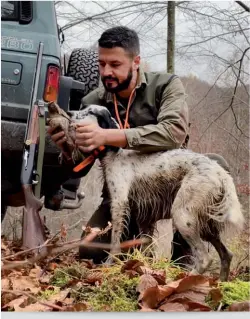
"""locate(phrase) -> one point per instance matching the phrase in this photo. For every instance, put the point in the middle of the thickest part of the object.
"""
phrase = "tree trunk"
(171, 37)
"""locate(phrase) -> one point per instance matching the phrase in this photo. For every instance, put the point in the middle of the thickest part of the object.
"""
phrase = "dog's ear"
(105, 119)
(101, 113)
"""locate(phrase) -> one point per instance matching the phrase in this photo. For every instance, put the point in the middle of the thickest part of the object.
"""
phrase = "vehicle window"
(9, 10)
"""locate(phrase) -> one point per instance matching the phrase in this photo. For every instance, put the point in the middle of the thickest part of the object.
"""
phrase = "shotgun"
(33, 229)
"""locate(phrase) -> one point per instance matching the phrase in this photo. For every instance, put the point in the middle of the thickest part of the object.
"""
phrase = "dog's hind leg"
(188, 227)
(225, 256)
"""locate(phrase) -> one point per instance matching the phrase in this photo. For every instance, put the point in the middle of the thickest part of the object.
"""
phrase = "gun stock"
(33, 231)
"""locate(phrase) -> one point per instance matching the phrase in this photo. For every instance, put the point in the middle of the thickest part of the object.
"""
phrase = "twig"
(243, 5)
(20, 292)
(26, 251)
(45, 244)
(220, 305)
(231, 102)
(93, 233)
(241, 261)
(66, 247)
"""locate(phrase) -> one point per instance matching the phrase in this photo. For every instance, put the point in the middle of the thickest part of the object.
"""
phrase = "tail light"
(52, 84)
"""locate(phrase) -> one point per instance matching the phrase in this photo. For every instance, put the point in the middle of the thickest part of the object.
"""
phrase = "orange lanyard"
(126, 124)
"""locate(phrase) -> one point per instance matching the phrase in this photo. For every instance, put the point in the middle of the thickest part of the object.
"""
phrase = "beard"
(120, 85)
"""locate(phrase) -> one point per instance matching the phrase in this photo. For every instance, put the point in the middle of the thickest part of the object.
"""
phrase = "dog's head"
(102, 116)
(97, 113)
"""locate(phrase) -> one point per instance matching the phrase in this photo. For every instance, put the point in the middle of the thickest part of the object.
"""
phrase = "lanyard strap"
(126, 124)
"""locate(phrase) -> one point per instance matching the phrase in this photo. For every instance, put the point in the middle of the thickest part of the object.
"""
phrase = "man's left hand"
(89, 136)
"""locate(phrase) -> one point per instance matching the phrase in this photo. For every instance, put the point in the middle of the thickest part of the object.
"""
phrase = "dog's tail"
(228, 210)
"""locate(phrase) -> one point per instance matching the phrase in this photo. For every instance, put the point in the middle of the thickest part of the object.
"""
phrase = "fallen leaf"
(60, 296)
(192, 281)
(35, 307)
(173, 307)
(7, 297)
(3, 246)
(189, 304)
(93, 278)
(240, 306)
(152, 296)
(17, 303)
(195, 306)
(196, 286)
(143, 309)
(159, 275)
(52, 266)
(25, 283)
(215, 295)
(15, 274)
(76, 307)
(45, 279)
(145, 282)
(35, 272)
(5, 283)
(191, 295)
(132, 265)
(68, 301)
(87, 263)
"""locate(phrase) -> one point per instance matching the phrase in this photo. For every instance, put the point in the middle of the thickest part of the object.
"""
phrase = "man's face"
(116, 68)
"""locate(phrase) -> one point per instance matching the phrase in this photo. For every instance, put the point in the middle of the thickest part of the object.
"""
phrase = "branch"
(235, 89)
(243, 5)
(98, 15)
(231, 103)
(213, 37)
(62, 248)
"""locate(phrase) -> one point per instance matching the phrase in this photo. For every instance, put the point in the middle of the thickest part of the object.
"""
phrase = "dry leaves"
(240, 306)
(189, 292)
(23, 290)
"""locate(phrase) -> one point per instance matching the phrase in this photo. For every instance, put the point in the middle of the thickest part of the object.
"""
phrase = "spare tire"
(83, 66)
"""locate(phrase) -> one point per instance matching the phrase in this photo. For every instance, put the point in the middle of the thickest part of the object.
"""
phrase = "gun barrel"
(35, 85)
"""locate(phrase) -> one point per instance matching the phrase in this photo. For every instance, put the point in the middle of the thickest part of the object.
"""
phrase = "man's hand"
(90, 136)
(57, 138)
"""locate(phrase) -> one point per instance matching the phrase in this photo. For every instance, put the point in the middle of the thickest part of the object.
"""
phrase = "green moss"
(117, 292)
(235, 291)
(60, 278)
(46, 294)
(63, 275)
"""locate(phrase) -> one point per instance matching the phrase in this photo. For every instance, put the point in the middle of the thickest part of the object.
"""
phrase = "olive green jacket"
(158, 116)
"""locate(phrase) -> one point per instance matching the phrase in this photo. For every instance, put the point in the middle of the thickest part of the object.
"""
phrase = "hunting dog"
(195, 191)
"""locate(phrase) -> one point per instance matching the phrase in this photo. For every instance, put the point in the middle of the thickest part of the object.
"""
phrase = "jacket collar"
(141, 83)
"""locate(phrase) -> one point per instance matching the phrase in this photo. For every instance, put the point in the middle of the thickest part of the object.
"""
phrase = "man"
(149, 107)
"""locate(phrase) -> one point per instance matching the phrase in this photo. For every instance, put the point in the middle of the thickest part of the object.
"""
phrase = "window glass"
(9, 10)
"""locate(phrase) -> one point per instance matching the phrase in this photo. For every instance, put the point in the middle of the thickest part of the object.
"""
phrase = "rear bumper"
(12, 140)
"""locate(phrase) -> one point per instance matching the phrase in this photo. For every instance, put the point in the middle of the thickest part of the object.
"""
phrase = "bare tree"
(171, 37)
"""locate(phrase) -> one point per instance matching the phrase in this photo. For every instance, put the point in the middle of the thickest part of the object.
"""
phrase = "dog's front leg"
(119, 212)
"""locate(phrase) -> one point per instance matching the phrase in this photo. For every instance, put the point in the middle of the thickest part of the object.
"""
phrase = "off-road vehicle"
(24, 25)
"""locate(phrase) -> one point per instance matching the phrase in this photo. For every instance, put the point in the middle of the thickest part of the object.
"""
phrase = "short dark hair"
(121, 37)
